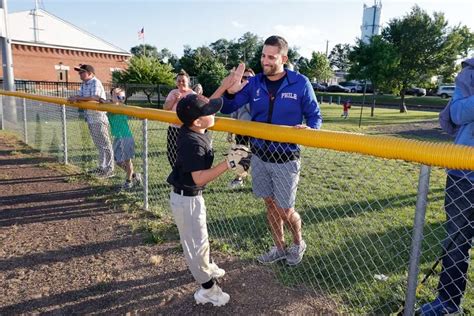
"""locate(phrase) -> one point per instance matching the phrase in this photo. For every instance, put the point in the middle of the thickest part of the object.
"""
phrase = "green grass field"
(432, 101)
(357, 210)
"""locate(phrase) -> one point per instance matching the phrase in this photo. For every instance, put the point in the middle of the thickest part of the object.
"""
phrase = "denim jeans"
(459, 207)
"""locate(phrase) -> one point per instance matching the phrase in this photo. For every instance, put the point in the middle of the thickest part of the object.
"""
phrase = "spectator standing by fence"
(281, 97)
(458, 204)
(182, 90)
(91, 90)
(124, 144)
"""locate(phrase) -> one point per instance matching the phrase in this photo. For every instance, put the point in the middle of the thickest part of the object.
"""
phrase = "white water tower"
(371, 21)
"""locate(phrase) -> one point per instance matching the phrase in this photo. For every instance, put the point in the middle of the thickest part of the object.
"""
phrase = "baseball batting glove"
(238, 159)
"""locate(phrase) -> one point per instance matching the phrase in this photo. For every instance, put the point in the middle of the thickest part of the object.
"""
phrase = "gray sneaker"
(273, 255)
(137, 179)
(128, 185)
(295, 253)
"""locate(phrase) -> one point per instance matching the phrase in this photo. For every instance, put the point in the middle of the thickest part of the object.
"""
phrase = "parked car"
(318, 86)
(419, 92)
(445, 91)
(353, 86)
(337, 88)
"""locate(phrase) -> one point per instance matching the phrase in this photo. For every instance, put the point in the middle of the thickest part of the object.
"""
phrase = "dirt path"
(428, 131)
(62, 253)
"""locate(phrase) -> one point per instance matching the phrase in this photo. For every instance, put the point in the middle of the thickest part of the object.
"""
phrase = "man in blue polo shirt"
(282, 97)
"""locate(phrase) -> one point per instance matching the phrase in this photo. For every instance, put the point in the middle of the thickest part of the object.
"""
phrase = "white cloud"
(306, 39)
(237, 24)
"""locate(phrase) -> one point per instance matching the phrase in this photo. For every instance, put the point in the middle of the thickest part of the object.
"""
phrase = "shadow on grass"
(350, 269)
(347, 268)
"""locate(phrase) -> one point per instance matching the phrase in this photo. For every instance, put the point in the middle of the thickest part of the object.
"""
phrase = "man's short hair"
(279, 42)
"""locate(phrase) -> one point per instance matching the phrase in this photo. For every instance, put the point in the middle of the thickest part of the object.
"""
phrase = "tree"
(166, 56)
(339, 57)
(255, 63)
(424, 45)
(143, 70)
(211, 75)
(203, 63)
(317, 68)
(230, 53)
(145, 49)
(221, 49)
(247, 45)
(375, 62)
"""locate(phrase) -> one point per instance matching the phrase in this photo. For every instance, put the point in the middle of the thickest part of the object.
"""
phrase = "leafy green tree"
(339, 57)
(166, 56)
(424, 45)
(248, 45)
(143, 70)
(317, 68)
(254, 63)
(221, 49)
(145, 50)
(376, 62)
(203, 63)
(211, 75)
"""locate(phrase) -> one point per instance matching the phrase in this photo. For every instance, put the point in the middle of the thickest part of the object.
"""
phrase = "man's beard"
(269, 70)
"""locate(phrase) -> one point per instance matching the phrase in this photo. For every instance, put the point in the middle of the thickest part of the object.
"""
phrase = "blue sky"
(306, 25)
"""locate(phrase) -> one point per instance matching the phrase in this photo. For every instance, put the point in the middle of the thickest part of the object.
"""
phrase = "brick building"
(45, 47)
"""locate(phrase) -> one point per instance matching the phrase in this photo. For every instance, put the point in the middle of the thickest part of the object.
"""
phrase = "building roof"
(52, 31)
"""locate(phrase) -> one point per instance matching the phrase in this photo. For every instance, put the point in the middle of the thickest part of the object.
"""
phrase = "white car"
(445, 91)
(355, 88)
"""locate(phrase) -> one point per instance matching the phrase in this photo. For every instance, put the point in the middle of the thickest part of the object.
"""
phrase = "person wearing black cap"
(92, 90)
(191, 172)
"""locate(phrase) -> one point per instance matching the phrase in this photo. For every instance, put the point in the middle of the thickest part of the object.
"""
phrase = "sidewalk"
(62, 252)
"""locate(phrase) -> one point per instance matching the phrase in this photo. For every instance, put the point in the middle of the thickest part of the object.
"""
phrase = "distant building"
(45, 47)
(371, 21)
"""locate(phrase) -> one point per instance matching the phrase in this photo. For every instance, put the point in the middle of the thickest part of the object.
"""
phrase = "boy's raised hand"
(237, 83)
(233, 82)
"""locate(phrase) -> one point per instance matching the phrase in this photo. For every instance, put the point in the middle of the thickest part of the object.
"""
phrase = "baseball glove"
(238, 159)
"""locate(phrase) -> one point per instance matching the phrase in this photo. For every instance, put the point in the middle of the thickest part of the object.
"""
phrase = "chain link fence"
(357, 211)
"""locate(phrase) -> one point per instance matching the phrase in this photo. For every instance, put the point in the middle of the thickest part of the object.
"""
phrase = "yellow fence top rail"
(429, 153)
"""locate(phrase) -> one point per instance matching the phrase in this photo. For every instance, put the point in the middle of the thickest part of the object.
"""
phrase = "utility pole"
(5, 42)
(8, 104)
(327, 48)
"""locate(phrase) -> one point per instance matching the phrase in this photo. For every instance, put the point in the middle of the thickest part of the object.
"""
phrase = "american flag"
(141, 33)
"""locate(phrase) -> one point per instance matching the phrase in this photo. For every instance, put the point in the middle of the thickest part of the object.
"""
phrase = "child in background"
(345, 108)
(124, 144)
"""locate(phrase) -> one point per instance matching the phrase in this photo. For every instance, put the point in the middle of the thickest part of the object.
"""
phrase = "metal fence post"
(25, 121)
(338, 99)
(2, 123)
(64, 126)
(321, 99)
(159, 97)
(421, 202)
(145, 163)
(330, 99)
